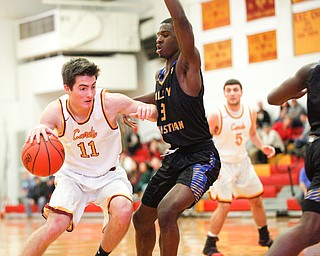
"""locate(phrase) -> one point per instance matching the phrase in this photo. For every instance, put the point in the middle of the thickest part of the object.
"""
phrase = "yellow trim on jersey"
(235, 117)
(88, 116)
(63, 120)
(220, 123)
(104, 110)
(164, 79)
(249, 197)
(251, 116)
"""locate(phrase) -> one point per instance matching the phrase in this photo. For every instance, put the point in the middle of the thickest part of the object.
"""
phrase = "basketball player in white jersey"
(232, 126)
(85, 120)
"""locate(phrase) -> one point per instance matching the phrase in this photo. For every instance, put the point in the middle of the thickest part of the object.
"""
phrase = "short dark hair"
(232, 81)
(168, 20)
(78, 67)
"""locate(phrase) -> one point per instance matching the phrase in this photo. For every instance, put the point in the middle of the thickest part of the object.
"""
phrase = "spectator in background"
(50, 187)
(284, 108)
(134, 176)
(155, 164)
(302, 140)
(268, 137)
(154, 148)
(145, 175)
(283, 127)
(263, 116)
(26, 184)
(304, 184)
(37, 195)
(295, 111)
(126, 162)
(133, 142)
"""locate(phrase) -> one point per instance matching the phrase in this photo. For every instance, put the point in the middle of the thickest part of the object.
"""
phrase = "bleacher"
(281, 171)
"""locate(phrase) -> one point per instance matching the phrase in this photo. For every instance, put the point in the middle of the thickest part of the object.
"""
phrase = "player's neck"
(235, 108)
(79, 114)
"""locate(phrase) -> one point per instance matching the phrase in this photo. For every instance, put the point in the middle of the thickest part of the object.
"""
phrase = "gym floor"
(239, 236)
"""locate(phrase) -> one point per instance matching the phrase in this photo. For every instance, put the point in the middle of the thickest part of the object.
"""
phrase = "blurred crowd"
(288, 133)
(35, 191)
(141, 160)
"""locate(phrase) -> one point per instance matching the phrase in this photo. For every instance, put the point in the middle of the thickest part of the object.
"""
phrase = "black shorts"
(312, 165)
(197, 170)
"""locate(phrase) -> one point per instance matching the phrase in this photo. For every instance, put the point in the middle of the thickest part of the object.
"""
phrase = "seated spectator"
(302, 140)
(126, 162)
(26, 184)
(155, 164)
(295, 111)
(272, 138)
(304, 184)
(37, 195)
(134, 176)
(284, 108)
(145, 176)
(268, 137)
(154, 148)
(284, 129)
(263, 116)
(50, 187)
(133, 142)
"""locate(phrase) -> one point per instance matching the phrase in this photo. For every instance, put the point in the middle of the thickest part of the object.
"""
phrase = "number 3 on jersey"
(84, 153)
(163, 112)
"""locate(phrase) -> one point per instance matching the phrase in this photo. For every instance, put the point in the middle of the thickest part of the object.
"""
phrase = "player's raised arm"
(188, 63)
(182, 28)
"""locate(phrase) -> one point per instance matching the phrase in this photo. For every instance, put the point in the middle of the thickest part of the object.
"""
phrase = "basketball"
(43, 159)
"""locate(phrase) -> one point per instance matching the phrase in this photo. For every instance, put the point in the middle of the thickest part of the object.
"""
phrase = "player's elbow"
(273, 100)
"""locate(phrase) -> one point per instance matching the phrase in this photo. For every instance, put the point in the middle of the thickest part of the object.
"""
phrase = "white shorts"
(71, 196)
(236, 180)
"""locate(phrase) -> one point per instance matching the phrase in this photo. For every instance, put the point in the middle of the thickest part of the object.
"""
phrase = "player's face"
(167, 44)
(83, 92)
(233, 94)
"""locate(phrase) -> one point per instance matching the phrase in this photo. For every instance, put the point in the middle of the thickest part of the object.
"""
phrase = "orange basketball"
(44, 158)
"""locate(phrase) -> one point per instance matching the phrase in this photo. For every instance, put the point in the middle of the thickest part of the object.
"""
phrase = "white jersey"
(92, 147)
(233, 135)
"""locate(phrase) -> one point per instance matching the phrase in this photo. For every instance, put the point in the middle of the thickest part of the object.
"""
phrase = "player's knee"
(225, 207)
(54, 231)
(137, 221)
(123, 216)
(166, 216)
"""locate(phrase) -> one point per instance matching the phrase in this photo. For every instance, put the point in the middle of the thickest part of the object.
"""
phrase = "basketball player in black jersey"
(307, 231)
(192, 163)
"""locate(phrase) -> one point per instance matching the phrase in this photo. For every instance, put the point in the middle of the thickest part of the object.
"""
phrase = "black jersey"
(182, 120)
(313, 99)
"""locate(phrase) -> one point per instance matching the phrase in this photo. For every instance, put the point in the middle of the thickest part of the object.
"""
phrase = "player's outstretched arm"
(292, 88)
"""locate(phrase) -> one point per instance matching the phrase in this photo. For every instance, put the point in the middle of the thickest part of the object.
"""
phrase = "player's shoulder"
(251, 107)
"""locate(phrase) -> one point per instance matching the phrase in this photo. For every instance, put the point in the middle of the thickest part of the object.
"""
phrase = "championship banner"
(306, 30)
(262, 46)
(257, 9)
(217, 55)
(215, 14)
